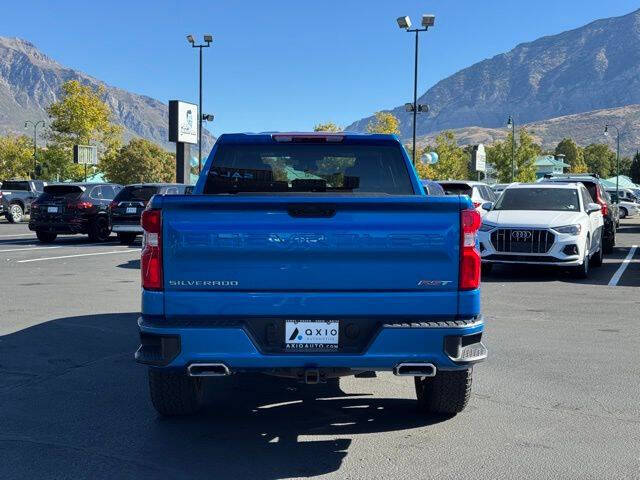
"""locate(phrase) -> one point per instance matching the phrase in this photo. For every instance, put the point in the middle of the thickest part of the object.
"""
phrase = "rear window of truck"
(308, 167)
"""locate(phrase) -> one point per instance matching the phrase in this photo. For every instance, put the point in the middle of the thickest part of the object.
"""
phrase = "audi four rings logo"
(521, 234)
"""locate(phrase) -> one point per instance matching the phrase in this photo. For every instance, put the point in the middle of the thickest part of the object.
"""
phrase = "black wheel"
(15, 213)
(127, 238)
(99, 230)
(46, 237)
(174, 393)
(596, 260)
(582, 271)
(447, 393)
(487, 268)
(623, 213)
(610, 242)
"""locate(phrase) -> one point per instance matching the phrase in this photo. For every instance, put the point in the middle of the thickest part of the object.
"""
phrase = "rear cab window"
(309, 167)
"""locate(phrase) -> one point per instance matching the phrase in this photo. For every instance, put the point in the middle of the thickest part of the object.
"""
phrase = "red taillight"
(79, 205)
(470, 222)
(603, 205)
(604, 209)
(151, 256)
(476, 204)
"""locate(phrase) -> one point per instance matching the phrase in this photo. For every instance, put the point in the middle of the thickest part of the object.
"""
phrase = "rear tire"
(15, 213)
(46, 237)
(610, 242)
(596, 260)
(447, 393)
(623, 213)
(174, 393)
(127, 238)
(99, 230)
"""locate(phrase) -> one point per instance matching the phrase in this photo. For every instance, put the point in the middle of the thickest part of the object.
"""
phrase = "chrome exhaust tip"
(415, 370)
(208, 370)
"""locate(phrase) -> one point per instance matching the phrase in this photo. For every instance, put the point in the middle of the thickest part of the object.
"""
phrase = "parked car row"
(93, 209)
(568, 221)
(73, 208)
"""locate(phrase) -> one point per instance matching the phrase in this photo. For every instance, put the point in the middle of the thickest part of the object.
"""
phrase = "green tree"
(600, 159)
(625, 166)
(139, 161)
(385, 122)
(327, 127)
(634, 171)
(452, 160)
(573, 155)
(82, 117)
(499, 156)
(16, 157)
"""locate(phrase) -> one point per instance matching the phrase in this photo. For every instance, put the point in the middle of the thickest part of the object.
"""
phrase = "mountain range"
(591, 68)
(584, 128)
(30, 81)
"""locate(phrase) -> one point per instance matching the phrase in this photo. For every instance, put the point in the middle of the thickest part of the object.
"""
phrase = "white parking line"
(137, 250)
(33, 247)
(625, 263)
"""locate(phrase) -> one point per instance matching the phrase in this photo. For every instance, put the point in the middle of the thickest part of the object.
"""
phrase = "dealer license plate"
(52, 209)
(311, 334)
(131, 210)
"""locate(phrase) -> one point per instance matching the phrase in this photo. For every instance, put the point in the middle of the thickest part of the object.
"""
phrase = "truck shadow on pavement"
(75, 405)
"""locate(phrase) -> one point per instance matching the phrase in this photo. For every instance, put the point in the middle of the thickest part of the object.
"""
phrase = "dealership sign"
(183, 122)
(479, 158)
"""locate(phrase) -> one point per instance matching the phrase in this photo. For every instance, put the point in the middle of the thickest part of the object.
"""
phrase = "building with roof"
(546, 164)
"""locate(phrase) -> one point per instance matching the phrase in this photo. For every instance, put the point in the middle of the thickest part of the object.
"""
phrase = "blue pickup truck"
(310, 256)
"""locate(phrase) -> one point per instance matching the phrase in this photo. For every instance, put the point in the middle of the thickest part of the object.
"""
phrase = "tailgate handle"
(312, 211)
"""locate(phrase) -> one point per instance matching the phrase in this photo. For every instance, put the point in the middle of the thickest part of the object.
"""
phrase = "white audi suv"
(543, 224)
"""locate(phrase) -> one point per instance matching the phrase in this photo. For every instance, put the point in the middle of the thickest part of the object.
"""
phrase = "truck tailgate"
(234, 250)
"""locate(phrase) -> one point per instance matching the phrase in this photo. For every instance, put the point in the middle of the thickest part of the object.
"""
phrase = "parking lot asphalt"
(558, 397)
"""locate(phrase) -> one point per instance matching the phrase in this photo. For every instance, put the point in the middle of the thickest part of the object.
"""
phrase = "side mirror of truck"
(593, 207)
(487, 206)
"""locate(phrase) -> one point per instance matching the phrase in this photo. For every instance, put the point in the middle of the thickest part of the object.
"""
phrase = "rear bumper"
(79, 226)
(439, 343)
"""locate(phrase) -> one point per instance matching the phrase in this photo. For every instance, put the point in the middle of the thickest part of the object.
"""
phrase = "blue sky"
(286, 65)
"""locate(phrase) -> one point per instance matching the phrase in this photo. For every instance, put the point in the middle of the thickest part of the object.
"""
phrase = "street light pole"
(415, 96)
(606, 132)
(405, 23)
(35, 143)
(207, 39)
(512, 124)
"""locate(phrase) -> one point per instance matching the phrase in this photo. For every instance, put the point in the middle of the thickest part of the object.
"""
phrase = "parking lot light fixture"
(512, 124)
(405, 24)
(208, 38)
(606, 134)
(35, 143)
